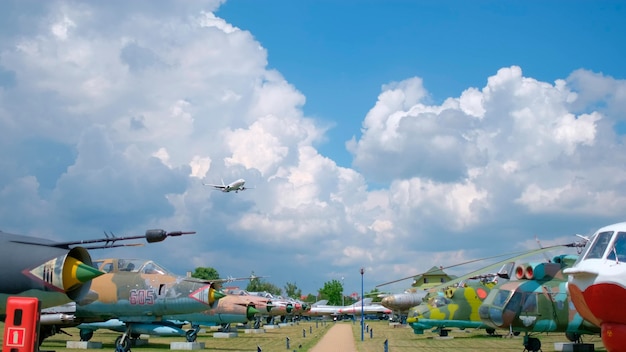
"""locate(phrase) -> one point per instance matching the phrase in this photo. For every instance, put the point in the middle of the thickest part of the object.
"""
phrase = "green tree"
(205, 273)
(374, 295)
(332, 292)
(310, 298)
(258, 285)
(292, 290)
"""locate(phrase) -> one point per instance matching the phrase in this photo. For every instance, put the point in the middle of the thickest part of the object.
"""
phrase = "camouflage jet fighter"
(265, 305)
(134, 291)
(229, 309)
(536, 301)
(54, 272)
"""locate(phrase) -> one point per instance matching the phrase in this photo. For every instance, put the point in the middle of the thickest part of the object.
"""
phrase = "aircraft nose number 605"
(141, 297)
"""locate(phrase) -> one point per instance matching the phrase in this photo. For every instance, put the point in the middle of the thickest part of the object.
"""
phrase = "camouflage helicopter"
(133, 291)
(536, 301)
(456, 303)
(453, 307)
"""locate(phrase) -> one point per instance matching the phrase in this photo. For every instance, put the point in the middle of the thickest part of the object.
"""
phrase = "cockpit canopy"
(610, 245)
(130, 265)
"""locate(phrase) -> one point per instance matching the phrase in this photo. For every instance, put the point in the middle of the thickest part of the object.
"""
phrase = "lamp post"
(342, 295)
(362, 317)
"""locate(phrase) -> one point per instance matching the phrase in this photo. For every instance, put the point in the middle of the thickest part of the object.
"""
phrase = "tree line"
(331, 291)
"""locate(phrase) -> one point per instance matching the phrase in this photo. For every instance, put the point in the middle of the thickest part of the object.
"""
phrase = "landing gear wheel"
(191, 335)
(122, 345)
(573, 337)
(86, 335)
(257, 323)
(532, 344)
(490, 331)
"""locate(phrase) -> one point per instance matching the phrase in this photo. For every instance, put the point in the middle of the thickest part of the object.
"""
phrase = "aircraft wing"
(217, 283)
(215, 186)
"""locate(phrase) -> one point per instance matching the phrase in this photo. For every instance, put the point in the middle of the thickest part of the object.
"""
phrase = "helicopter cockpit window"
(530, 302)
(618, 250)
(439, 301)
(515, 301)
(599, 245)
(501, 298)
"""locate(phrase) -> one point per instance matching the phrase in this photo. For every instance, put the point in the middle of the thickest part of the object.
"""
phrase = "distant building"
(433, 277)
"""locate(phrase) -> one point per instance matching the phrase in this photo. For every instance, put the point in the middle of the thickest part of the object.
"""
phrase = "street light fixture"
(362, 317)
(342, 295)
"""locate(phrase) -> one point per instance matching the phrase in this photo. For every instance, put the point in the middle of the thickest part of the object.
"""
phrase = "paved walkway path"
(338, 339)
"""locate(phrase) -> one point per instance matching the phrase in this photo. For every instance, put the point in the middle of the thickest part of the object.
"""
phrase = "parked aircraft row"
(365, 306)
(62, 272)
(142, 297)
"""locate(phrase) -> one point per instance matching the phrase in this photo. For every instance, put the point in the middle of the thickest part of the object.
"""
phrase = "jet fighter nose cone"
(76, 272)
(251, 312)
(207, 295)
(216, 294)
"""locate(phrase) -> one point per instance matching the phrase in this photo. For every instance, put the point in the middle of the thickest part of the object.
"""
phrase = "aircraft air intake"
(207, 295)
(520, 271)
(70, 273)
(531, 271)
(251, 311)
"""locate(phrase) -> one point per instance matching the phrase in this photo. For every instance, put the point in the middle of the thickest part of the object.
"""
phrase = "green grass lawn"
(399, 339)
(402, 339)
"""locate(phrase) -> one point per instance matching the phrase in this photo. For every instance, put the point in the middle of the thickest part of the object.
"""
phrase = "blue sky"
(357, 46)
(390, 135)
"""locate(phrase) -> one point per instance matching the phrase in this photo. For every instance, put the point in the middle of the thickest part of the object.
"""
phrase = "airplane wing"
(215, 186)
(217, 283)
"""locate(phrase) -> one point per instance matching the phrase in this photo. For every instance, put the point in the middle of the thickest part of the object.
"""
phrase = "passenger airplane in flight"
(233, 186)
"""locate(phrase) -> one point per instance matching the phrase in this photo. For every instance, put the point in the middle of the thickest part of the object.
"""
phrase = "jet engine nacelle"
(536, 271)
(529, 271)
